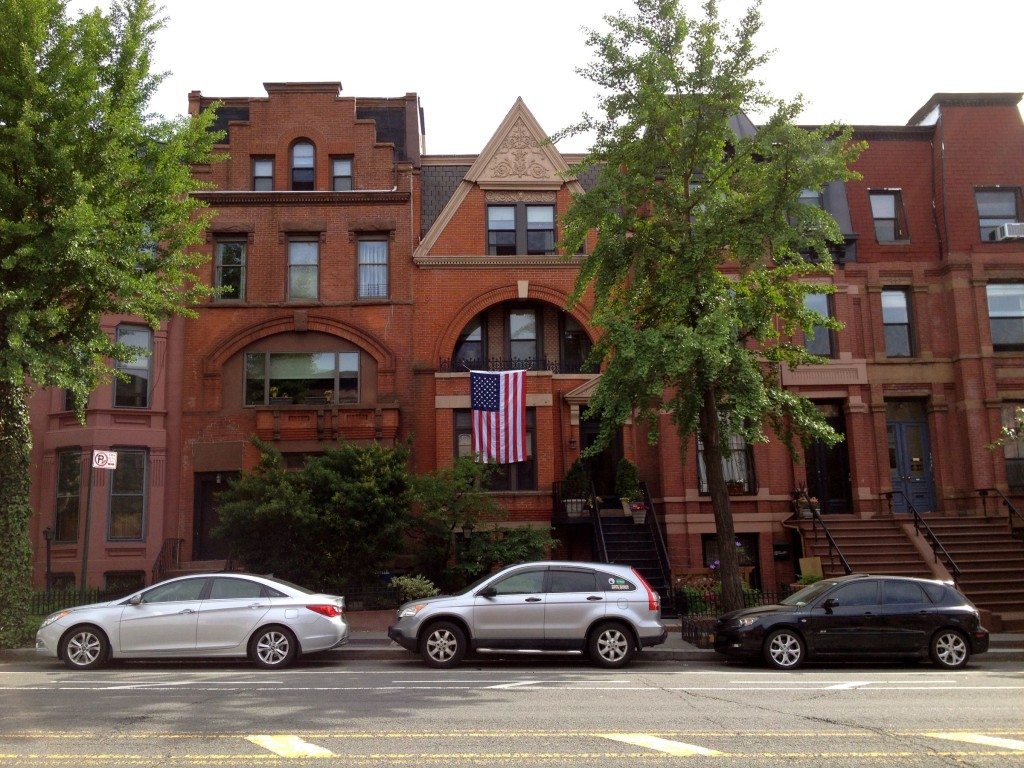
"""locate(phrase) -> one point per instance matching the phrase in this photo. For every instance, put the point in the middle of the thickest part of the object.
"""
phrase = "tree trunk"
(710, 435)
(15, 552)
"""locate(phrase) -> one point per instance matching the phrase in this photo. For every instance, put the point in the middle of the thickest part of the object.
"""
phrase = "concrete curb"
(388, 651)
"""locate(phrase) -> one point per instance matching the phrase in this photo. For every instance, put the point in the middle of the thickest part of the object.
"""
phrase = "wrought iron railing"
(803, 501)
(168, 559)
(659, 541)
(461, 365)
(1012, 513)
(43, 603)
(929, 535)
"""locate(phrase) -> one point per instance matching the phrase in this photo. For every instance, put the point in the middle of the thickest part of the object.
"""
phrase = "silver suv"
(606, 610)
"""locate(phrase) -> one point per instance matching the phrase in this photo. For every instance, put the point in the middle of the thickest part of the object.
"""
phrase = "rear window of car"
(225, 589)
(612, 583)
(572, 581)
(902, 593)
(940, 594)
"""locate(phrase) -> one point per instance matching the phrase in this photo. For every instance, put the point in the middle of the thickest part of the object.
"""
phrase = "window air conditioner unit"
(1014, 231)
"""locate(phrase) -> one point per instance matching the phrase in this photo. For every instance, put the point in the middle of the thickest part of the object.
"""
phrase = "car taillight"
(653, 600)
(330, 611)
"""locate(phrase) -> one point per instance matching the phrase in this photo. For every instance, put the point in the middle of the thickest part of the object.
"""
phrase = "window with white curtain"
(373, 269)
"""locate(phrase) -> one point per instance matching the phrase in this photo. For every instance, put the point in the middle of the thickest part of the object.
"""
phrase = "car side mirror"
(135, 600)
(829, 604)
(487, 592)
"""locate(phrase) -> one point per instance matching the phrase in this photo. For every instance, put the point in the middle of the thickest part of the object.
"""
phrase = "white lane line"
(256, 687)
(676, 748)
(978, 738)
(850, 685)
(289, 746)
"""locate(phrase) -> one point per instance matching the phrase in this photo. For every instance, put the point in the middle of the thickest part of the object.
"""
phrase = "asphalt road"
(515, 712)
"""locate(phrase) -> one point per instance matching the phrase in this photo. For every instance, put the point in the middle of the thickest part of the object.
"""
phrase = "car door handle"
(187, 610)
(595, 597)
(255, 605)
(533, 599)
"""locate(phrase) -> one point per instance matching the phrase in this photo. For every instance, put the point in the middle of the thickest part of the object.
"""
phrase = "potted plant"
(627, 486)
(576, 489)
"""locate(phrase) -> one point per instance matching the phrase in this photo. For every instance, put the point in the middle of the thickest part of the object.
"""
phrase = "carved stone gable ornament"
(519, 156)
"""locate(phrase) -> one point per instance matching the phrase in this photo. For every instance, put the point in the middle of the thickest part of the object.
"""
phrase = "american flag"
(498, 401)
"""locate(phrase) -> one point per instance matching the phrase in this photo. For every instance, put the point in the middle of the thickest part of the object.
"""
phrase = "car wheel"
(84, 647)
(611, 645)
(949, 649)
(273, 648)
(784, 649)
(443, 645)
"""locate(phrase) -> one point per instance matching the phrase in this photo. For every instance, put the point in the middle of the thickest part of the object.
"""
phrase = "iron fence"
(43, 603)
(699, 610)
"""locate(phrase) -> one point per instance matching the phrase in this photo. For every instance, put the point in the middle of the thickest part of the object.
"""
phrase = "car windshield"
(809, 594)
(475, 584)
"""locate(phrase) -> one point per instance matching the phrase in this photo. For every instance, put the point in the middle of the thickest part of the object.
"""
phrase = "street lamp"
(48, 537)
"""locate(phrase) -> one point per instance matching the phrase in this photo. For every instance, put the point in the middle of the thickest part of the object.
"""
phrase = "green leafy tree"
(699, 273)
(339, 520)
(450, 501)
(95, 218)
(495, 547)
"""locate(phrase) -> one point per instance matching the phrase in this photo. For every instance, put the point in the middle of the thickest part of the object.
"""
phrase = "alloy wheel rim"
(951, 649)
(785, 650)
(83, 648)
(441, 645)
(612, 645)
(272, 648)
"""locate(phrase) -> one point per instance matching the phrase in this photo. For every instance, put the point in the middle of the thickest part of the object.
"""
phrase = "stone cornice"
(316, 197)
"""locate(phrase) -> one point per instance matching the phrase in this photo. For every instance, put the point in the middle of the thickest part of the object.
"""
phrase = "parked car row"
(605, 611)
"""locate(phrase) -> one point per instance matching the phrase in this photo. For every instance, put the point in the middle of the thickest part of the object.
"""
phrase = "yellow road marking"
(677, 748)
(290, 746)
(978, 738)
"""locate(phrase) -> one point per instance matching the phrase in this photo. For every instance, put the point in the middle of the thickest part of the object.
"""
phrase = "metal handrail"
(930, 536)
(170, 554)
(833, 545)
(600, 547)
(659, 539)
(1011, 510)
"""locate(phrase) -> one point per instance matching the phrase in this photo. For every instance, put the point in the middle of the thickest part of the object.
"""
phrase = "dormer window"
(521, 229)
(303, 165)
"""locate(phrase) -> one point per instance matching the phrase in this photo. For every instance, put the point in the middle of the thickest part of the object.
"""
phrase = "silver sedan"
(219, 615)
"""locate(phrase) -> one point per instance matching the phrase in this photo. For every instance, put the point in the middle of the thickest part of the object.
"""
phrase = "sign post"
(100, 460)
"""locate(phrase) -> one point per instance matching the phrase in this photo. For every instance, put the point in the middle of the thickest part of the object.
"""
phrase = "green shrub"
(627, 481)
(413, 588)
(808, 578)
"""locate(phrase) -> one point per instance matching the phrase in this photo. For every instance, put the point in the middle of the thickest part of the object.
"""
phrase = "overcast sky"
(865, 62)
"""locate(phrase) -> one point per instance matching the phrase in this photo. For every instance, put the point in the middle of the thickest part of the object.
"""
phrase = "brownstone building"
(362, 279)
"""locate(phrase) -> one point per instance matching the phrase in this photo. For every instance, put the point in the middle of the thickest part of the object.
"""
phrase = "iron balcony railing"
(461, 365)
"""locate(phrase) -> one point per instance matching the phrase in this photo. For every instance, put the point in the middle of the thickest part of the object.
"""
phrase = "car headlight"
(53, 617)
(746, 621)
(411, 610)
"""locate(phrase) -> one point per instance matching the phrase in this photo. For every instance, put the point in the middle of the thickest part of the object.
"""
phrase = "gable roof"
(518, 157)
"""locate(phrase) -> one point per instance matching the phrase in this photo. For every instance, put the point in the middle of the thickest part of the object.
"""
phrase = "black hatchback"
(859, 616)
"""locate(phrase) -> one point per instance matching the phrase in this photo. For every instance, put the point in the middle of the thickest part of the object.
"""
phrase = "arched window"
(303, 165)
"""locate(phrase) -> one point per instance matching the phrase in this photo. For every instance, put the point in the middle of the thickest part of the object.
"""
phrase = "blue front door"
(910, 465)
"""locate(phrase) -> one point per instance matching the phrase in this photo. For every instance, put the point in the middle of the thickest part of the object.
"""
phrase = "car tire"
(84, 647)
(611, 645)
(949, 649)
(443, 645)
(273, 647)
(784, 649)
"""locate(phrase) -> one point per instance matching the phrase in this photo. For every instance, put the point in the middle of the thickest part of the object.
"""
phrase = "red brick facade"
(933, 411)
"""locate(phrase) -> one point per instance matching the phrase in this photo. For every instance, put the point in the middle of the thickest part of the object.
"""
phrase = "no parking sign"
(104, 459)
